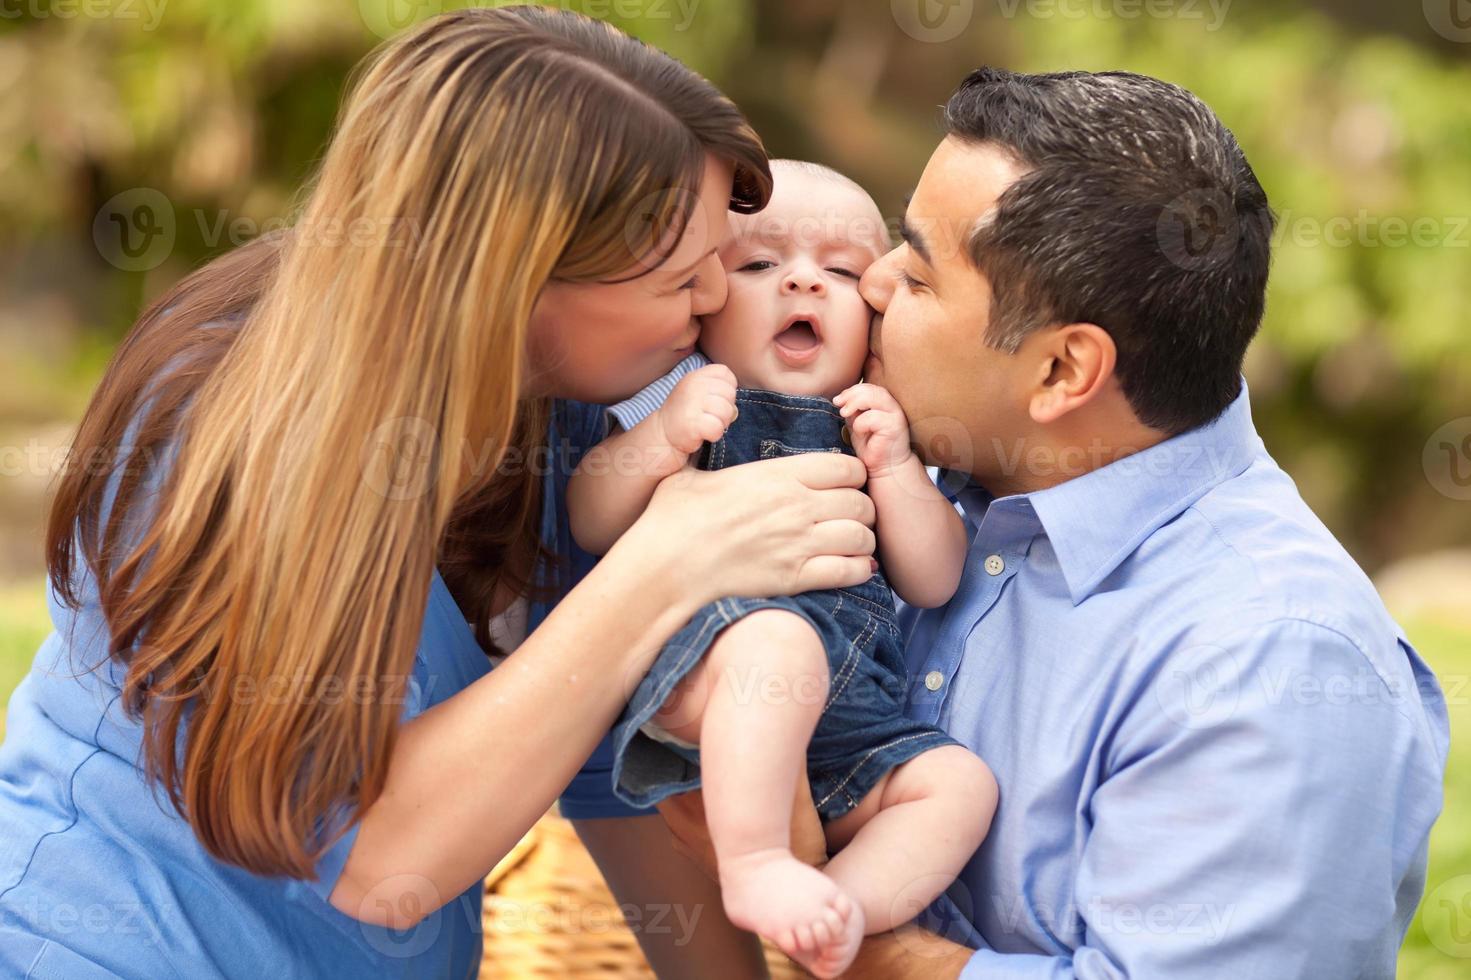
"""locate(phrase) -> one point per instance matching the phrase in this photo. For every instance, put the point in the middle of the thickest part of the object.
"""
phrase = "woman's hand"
(773, 527)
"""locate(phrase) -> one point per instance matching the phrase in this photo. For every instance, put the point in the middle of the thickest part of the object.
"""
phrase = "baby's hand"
(699, 409)
(879, 426)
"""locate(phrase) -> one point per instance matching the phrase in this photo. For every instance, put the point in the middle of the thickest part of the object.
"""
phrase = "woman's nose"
(710, 294)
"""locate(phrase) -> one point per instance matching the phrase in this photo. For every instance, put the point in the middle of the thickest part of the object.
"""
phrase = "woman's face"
(602, 342)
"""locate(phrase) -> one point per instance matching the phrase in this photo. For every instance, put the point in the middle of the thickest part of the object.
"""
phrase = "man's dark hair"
(1138, 212)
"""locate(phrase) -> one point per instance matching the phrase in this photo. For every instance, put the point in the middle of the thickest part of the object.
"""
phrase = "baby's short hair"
(816, 170)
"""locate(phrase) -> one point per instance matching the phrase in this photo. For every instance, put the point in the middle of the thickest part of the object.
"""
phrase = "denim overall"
(863, 732)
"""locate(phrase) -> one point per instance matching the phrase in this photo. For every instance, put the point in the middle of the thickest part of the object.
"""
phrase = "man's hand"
(880, 428)
(685, 815)
(699, 409)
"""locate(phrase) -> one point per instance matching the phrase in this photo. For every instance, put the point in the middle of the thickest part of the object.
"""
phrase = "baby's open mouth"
(799, 336)
(799, 340)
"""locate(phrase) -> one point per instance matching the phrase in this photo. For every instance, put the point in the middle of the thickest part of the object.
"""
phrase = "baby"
(751, 689)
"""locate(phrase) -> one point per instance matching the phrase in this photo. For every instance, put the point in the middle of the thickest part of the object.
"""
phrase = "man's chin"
(873, 370)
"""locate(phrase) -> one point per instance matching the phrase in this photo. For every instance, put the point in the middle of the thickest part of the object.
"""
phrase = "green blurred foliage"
(224, 105)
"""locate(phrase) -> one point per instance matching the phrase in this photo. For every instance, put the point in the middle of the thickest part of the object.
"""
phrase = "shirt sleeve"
(1267, 804)
(632, 411)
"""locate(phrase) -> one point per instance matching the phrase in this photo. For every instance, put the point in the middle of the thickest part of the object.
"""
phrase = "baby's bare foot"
(799, 908)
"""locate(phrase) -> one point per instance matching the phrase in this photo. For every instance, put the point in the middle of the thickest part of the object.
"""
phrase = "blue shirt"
(99, 877)
(1217, 754)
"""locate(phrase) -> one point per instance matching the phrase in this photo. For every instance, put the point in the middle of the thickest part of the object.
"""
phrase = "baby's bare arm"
(612, 485)
(921, 539)
(615, 480)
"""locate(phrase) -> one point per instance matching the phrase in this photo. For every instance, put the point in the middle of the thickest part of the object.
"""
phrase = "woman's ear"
(1075, 362)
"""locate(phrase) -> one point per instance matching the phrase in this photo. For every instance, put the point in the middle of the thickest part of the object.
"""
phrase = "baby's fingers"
(871, 422)
(720, 407)
(711, 426)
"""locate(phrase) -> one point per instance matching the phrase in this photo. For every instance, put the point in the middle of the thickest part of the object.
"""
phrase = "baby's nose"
(803, 282)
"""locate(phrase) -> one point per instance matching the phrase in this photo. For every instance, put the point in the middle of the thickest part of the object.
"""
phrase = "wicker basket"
(550, 871)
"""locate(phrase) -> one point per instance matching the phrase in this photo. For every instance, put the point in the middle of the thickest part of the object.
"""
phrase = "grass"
(1438, 945)
(24, 623)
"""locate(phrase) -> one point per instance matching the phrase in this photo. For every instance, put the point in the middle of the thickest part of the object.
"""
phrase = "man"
(1217, 754)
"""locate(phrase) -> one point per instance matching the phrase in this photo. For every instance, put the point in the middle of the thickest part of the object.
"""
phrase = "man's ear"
(1074, 363)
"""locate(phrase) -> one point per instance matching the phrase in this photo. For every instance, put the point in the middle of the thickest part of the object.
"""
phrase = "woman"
(263, 740)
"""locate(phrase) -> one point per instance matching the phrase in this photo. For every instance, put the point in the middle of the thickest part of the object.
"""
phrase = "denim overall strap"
(771, 424)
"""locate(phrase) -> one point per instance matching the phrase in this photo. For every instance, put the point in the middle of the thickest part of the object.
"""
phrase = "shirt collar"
(1097, 520)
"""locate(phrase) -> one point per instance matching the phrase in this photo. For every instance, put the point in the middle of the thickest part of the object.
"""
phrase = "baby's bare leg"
(909, 837)
(752, 708)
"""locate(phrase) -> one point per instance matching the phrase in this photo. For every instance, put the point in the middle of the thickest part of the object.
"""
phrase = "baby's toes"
(821, 934)
(804, 938)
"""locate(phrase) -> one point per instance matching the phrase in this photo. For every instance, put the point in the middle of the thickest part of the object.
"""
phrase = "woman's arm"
(471, 775)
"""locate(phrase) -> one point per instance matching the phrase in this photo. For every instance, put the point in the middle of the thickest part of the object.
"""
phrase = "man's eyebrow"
(914, 239)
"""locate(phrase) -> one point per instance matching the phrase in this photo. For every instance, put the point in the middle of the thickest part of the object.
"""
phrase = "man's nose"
(877, 283)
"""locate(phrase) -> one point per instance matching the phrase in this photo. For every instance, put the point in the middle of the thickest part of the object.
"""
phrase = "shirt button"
(933, 680)
(994, 565)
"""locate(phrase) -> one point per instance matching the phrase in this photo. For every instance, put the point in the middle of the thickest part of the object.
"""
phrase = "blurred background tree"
(140, 137)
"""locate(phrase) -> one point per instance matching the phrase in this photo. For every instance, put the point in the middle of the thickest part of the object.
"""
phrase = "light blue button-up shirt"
(1218, 756)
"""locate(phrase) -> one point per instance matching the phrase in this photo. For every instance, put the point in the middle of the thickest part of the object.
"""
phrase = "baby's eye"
(840, 271)
(757, 265)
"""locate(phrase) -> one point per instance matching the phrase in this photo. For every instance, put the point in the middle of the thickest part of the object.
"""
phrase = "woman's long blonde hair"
(335, 402)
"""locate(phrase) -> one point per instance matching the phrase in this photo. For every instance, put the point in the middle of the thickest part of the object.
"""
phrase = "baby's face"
(794, 321)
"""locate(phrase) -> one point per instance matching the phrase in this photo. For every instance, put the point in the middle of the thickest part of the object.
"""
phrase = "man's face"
(966, 402)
